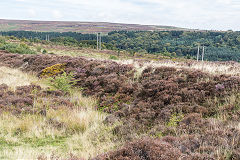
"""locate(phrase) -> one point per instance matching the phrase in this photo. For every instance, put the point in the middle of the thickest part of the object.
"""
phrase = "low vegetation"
(115, 109)
(43, 123)
(15, 47)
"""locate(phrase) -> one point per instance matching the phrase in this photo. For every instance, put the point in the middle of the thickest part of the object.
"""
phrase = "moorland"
(65, 101)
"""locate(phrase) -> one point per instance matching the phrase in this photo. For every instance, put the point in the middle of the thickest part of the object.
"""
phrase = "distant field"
(83, 27)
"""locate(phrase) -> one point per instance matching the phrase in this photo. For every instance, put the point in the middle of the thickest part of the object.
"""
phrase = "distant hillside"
(82, 27)
(218, 46)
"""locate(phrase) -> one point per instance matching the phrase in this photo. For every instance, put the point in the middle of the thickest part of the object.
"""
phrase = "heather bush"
(164, 90)
(162, 101)
(144, 149)
(30, 99)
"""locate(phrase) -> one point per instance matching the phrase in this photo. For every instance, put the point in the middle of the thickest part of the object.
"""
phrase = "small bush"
(39, 49)
(113, 57)
(44, 51)
(17, 48)
(175, 119)
(63, 82)
(53, 70)
(144, 149)
(2, 40)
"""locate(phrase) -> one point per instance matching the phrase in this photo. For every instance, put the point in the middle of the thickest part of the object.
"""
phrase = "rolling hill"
(82, 27)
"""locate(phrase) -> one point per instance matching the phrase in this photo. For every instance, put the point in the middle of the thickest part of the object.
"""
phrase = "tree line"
(220, 46)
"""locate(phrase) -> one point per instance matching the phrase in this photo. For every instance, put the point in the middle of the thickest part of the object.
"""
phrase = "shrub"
(63, 82)
(175, 119)
(113, 57)
(44, 51)
(144, 149)
(17, 48)
(2, 40)
(53, 70)
(39, 49)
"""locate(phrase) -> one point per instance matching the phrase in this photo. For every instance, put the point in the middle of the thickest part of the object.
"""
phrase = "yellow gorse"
(53, 70)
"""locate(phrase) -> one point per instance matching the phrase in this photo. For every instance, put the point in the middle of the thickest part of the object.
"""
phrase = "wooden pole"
(100, 44)
(203, 53)
(97, 41)
(198, 52)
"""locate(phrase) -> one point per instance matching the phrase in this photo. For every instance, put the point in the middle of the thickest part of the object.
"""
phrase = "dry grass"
(76, 52)
(232, 100)
(15, 77)
(61, 132)
(215, 68)
(79, 130)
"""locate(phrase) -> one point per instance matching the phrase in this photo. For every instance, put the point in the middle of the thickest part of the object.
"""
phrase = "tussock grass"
(232, 103)
(77, 130)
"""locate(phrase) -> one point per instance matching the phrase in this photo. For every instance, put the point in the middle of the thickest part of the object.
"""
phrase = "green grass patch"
(46, 141)
(7, 144)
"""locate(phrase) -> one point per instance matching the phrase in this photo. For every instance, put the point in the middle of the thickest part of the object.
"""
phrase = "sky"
(194, 14)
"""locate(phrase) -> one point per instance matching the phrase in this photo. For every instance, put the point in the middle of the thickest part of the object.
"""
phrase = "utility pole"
(47, 37)
(198, 52)
(97, 41)
(203, 53)
(100, 39)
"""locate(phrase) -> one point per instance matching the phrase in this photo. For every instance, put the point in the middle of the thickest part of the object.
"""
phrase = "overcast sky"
(197, 14)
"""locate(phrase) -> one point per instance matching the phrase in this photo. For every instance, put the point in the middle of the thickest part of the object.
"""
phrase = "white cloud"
(32, 12)
(203, 14)
(57, 14)
(104, 5)
(225, 1)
